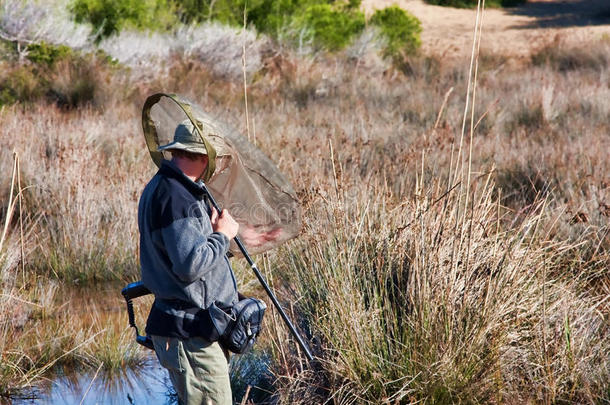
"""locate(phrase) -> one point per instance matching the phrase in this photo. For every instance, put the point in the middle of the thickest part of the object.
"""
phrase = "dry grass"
(403, 300)
(83, 208)
(413, 302)
(43, 324)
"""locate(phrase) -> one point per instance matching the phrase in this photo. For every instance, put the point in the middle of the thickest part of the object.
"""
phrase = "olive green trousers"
(198, 369)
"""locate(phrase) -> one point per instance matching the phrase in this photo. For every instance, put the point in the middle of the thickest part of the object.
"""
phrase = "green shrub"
(229, 12)
(400, 28)
(271, 15)
(332, 28)
(108, 17)
(48, 54)
(332, 24)
(21, 84)
(268, 16)
(473, 3)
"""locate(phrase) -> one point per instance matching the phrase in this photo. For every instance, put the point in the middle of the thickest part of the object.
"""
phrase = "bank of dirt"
(512, 31)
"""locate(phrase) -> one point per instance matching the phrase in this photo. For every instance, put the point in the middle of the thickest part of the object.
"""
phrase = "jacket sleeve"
(194, 253)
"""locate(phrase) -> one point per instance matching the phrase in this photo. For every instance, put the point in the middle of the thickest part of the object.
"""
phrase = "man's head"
(188, 151)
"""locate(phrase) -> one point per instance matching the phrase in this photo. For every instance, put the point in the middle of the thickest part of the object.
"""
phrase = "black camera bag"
(243, 329)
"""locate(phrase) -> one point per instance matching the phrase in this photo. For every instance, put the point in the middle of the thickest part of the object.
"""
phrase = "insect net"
(239, 175)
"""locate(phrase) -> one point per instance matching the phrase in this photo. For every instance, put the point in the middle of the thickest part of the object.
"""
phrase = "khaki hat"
(186, 138)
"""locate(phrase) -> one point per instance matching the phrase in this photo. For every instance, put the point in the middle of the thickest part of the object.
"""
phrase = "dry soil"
(512, 31)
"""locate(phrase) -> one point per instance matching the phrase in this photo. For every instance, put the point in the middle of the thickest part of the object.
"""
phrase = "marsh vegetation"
(431, 267)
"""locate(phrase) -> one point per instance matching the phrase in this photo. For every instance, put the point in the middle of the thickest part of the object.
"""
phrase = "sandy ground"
(512, 31)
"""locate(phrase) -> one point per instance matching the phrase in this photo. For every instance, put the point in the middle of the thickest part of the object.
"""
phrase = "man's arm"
(192, 253)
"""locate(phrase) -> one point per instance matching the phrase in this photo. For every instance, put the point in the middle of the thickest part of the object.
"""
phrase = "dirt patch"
(513, 32)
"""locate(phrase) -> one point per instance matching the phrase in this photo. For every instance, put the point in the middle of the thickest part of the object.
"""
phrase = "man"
(183, 247)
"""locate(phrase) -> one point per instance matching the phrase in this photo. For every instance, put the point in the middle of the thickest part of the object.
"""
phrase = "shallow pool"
(148, 385)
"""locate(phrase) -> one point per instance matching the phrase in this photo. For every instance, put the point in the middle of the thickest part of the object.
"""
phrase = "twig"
(91, 383)
(475, 55)
(245, 398)
(485, 113)
(440, 112)
(11, 205)
(243, 64)
(332, 160)
(14, 297)
(20, 198)
(5, 36)
(463, 131)
(355, 244)
(402, 228)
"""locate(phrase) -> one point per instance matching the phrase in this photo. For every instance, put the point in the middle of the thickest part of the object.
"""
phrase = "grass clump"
(429, 307)
(567, 59)
(82, 236)
(44, 325)
(528, 117)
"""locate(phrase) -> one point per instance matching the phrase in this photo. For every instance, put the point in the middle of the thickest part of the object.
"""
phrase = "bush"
(331, 28)
(564, 59)
(473, 3)
(332, 25)
(46, 54)
(108, 17)
(29, 22)
(19, 84)
(56, 74)
(230, 12)
(400, 28)
(74, 84)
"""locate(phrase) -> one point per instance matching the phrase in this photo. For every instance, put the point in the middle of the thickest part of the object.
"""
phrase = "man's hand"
(224, 223)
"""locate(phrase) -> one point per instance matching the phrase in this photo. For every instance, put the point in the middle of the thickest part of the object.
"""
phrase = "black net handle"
(261, 279)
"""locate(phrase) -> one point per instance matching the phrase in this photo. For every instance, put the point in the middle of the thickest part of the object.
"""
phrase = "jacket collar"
(170, 170)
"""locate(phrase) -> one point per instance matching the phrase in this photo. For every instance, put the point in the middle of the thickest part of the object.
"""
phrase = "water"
(148, 385)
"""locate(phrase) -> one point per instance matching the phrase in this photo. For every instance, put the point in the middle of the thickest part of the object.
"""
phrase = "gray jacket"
(182, 260)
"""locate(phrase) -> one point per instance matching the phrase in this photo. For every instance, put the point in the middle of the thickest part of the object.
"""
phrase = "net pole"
(261, 279)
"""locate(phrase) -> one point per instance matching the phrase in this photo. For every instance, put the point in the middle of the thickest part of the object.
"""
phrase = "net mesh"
(241, 178)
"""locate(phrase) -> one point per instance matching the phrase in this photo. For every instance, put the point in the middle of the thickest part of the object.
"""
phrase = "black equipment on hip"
(132, 291)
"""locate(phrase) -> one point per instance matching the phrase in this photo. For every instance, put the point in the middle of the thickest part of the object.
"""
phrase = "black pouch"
(210, 323)
(242, 331)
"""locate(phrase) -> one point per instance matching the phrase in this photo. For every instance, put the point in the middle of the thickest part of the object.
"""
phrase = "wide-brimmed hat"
(186, 138)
